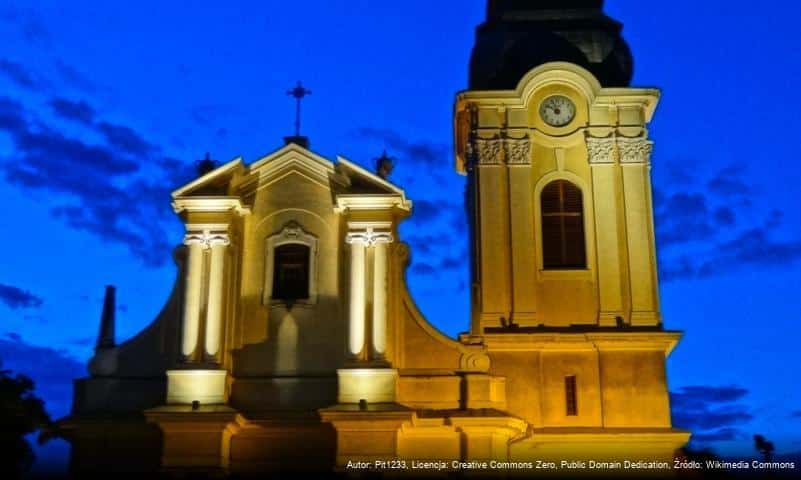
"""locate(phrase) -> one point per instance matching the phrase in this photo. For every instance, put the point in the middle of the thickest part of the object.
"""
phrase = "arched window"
(291, 272)
(562, 226)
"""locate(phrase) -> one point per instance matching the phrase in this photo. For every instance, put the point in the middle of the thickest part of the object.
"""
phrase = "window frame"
(561, 216)
(586, 273)
(291, 233)
(571, 396)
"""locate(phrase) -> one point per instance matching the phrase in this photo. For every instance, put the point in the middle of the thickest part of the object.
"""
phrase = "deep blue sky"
(104, 107)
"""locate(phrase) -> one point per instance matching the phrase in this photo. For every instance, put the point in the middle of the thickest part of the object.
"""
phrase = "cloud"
(18, 74)
(441, 265)
(422, 244)
(83, 341)
(728, 182)
(719, 435)
(454, 262)
(423, 268)
(724, 216)
(683, 217)
(118, 136)
(425, 153)
(117, 190)
(30, 24)
(425, 210)
(703, 232)
(52, 371)
(753, 247)
(711, 413)
(74, 78)
(16, 298)
(124, 138)
(207, 115)
(78, 111)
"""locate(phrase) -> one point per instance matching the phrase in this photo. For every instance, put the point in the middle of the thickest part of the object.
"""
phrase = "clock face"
(557, 110)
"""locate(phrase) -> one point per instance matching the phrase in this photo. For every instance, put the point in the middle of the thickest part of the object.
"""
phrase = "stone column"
(192, 292)
(356, 318)
(380, 241)
(217, 244)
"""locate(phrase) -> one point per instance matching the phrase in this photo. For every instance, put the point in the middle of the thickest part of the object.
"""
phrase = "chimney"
(105, 339)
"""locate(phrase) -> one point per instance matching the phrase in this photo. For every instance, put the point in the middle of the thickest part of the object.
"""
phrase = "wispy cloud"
(78, 111)
(29, 23)
(72, 77)
(117, 190)
(52, 370)
(421, 152)
(17, 298)
(18, 74)
(712, 413)
(709, 226)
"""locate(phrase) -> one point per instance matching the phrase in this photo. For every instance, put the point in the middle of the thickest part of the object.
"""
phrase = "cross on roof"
(298, 92)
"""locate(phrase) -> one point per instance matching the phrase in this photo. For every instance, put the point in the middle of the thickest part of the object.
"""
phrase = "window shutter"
(562, 226)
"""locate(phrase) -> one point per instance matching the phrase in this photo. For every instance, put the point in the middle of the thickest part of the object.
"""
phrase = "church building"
(290, 340)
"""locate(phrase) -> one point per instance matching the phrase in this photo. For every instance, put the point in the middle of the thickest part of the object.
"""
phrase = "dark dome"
(519, 35)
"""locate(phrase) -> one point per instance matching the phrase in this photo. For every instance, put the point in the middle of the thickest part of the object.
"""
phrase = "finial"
(384, 165)
(105, 339)
(206, 165)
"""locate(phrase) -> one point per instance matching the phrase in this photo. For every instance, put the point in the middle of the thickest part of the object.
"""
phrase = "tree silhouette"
(21, 413)
(764, 447)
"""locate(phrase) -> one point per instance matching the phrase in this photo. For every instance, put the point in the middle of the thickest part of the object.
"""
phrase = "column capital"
(635, 149)
(518, 150)
(487, 151)
(369, 237)
(207, 239)
(601, 150)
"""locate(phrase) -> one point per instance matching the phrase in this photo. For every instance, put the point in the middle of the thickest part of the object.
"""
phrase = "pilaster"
(609, 228)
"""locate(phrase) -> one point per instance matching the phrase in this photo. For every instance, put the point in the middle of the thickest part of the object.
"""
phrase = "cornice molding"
(210, 204)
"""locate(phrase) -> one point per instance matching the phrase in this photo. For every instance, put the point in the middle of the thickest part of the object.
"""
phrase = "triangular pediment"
(364, 181)
(213, 183)
(236, 178)
(287, 160)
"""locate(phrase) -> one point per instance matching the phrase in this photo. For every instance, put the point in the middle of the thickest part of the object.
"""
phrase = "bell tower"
(554, 143)
(555, 146)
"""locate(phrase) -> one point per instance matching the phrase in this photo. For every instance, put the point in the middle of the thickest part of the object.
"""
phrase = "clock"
(557, 110)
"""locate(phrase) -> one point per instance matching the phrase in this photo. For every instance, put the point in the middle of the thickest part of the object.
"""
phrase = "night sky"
(106, 106)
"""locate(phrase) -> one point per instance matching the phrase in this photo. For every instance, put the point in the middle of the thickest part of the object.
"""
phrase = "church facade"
(290, 340)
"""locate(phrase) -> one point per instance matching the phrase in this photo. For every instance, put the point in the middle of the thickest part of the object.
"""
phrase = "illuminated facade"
(290, 339)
